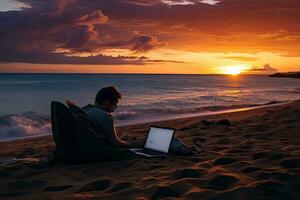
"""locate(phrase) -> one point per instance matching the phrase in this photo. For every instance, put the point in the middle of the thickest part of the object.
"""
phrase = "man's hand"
(138, 143)
(70, 102)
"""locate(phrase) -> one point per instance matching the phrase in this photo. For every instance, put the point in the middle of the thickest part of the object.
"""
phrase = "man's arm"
(111, 135)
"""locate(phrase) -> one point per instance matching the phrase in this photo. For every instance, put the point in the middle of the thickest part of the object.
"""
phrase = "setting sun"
(233, 70)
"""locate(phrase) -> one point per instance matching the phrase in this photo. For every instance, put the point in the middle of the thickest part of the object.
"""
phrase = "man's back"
(105, 123)
(100, 117)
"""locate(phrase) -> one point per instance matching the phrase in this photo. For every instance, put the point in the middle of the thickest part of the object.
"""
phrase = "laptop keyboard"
(148, 151)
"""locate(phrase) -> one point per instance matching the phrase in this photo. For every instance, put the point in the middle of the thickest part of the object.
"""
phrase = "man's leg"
(178, 147)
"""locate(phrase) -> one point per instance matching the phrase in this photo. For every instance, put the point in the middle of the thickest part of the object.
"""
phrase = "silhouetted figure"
(88, 134)
(106, 102)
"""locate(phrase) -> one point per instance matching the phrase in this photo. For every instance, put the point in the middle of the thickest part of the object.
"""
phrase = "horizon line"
(242, 74)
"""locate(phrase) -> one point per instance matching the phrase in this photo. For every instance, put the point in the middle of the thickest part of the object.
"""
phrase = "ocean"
(25, 98)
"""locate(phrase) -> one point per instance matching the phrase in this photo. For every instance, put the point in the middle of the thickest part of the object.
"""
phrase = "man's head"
(108, 98)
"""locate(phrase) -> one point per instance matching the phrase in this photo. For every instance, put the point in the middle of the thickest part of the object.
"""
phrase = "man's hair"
(107, 93)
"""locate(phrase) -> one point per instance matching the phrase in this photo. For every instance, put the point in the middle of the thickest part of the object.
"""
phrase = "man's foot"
(183, 150)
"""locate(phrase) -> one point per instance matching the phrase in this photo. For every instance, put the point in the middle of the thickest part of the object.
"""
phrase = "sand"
(256, 157)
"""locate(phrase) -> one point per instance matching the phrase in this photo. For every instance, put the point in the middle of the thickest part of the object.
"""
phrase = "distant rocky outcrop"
(287, 75)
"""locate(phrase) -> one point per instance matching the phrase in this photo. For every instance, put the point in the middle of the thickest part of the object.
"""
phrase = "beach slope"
(256, 156)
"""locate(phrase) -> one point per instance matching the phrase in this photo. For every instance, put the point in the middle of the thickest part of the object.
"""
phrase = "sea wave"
(23, 125)
(145, 112)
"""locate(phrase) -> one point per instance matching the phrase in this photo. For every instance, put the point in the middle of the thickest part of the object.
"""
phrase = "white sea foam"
(14, 126)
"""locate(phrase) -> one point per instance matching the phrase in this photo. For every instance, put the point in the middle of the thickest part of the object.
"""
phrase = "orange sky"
(158, 36)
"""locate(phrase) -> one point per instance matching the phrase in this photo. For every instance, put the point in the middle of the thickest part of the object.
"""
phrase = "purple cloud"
(144, 43)
(64, 28)
(55, 31)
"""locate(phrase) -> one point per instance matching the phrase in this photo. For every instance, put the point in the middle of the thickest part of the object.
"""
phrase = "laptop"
(157, 143)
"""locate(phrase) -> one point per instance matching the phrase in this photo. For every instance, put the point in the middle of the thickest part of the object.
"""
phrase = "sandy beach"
(257, 156)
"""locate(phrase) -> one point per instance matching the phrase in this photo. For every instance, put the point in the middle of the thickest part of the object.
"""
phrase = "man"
(106, 102)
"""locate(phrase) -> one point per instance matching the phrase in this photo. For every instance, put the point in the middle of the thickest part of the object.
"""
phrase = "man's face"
(113, 106)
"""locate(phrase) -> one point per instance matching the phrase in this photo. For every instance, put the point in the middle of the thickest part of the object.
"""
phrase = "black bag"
(76, 139)
(86, 121)
(75, 142)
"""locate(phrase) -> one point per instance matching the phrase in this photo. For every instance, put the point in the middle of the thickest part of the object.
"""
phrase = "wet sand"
(257, 156)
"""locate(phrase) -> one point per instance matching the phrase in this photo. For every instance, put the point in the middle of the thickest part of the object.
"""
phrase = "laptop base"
(148, 153)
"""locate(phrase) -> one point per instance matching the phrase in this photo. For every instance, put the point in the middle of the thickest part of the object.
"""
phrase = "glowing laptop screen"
(159, 139)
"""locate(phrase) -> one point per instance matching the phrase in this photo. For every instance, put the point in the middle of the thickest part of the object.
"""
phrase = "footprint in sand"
(224, 161)
(188, 173)
(222, 182)
(164, 192)
(121, 186)
(259, 155)
(250, 169)
(271, 189)
(291, 163)
(276, 155)
(280, 176)
(57, 188)
(175, 189)
(96, 186)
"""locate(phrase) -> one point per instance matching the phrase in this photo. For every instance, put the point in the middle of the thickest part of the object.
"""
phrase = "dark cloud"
(64, 28)
(228, 26)
(143, 2)
(55, 31)
(93, 18)
(60, 58)
(46, 28)
(264, 68)
(144, 43)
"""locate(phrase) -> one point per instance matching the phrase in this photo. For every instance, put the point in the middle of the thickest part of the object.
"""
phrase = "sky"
(150, 36)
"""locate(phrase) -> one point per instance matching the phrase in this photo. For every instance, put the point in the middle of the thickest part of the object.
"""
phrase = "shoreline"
(202, 114)
(238, 114)
(168, 118)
